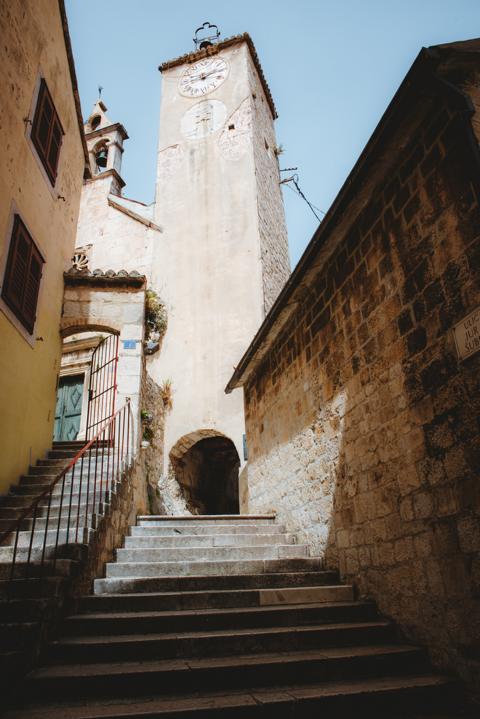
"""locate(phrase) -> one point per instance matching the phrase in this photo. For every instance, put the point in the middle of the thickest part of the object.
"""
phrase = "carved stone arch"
(183, 444)
(205, 463)
(83, 325)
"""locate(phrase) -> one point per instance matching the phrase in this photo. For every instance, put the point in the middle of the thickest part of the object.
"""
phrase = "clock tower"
(223, 255)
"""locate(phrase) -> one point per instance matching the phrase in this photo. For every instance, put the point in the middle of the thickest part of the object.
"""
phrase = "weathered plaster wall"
(32, 46)
(362, 423)
(118, 241)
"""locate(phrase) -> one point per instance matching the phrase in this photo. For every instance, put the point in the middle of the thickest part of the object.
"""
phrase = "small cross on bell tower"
(206, 35)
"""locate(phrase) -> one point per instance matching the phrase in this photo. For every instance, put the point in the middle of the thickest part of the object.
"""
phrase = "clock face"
(203, 77)
(203, 119)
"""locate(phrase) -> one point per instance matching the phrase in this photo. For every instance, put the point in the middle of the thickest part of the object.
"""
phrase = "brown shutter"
(17, 268)
(32, 287)
(54, 149)
(47, 132)
(43, 119)
(22, 275)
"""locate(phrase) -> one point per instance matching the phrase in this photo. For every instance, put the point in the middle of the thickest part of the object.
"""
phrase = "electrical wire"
(299, 192)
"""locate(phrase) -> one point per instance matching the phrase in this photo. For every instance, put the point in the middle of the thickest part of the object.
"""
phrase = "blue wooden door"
(68, 411)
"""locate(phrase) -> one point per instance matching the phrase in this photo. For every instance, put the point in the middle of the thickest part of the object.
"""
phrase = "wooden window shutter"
(22, 275)
(32, 287)
(47, 132)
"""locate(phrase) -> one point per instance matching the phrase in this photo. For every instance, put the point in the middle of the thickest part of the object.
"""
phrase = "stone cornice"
(108, 173)
(106, 279)
(109, 128)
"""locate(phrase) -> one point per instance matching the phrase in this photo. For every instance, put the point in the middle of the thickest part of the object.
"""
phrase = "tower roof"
(98, 122)
(192, 57)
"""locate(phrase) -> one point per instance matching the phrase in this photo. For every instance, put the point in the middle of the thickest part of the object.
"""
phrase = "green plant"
(155, 315)
(146, 416)
(147, 434)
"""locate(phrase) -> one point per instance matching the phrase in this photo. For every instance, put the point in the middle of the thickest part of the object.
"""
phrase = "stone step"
(206, 518)
(6, 553)
(50, 463)
(33, 489)
(172, 530)
(211, 554)
(18, 634)
(215, 598)
(69, 443)
(24, 501)
(235, 520)
(33, 587)
(51, 469)
(241, 671)
(207, 540)
(51, 537)
(387, 697)
(212, 540)
(31, 608)
(14, 663)
(110, 623)
(53, 523)
(227, 567)
(35, 485)
(61, 453)
(275, 581)
(63, 568)
(139, 647)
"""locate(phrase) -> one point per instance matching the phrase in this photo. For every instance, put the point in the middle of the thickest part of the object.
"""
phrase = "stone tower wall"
(271, 214)
(213, 267)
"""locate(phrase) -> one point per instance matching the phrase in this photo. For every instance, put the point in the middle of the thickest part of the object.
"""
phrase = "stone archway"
(110, 303)
(206, 464)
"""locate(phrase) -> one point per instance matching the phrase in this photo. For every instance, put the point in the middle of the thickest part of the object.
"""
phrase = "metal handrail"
(116, 434)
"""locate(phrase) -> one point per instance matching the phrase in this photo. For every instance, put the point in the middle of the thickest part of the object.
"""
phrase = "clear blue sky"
(332, 66)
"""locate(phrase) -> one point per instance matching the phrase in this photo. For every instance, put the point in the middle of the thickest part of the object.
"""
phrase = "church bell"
(101, 158)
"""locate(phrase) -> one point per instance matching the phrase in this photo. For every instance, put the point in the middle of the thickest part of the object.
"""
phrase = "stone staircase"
(226, 617)
(31, 601)
(39, 478)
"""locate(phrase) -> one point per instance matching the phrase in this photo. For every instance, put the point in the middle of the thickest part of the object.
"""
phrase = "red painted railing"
(102, 388)
(65, 512)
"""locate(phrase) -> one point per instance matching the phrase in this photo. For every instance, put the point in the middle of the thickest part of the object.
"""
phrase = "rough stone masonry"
(362, 421)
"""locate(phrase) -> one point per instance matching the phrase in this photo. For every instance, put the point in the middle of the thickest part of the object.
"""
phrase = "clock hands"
(203, 76)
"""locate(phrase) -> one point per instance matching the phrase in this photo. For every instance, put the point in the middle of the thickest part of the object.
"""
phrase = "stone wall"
(130, 500)
(271, 214)
(362, 423)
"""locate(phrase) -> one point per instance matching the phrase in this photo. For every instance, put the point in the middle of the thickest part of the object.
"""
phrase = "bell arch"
(206, 464)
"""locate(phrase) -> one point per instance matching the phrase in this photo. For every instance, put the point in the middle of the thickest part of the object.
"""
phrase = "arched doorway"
(206, 465)
(86, 383)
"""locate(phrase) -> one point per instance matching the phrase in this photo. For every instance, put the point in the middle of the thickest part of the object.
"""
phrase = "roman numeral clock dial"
(203, 77)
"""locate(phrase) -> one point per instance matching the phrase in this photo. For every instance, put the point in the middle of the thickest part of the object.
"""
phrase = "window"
(22, 275)
(47, 132)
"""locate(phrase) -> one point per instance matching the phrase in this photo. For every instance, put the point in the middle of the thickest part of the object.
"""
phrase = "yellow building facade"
(43, 160)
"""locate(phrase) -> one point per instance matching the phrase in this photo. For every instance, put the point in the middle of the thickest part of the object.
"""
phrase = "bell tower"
(105, 147)
(223, 257)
